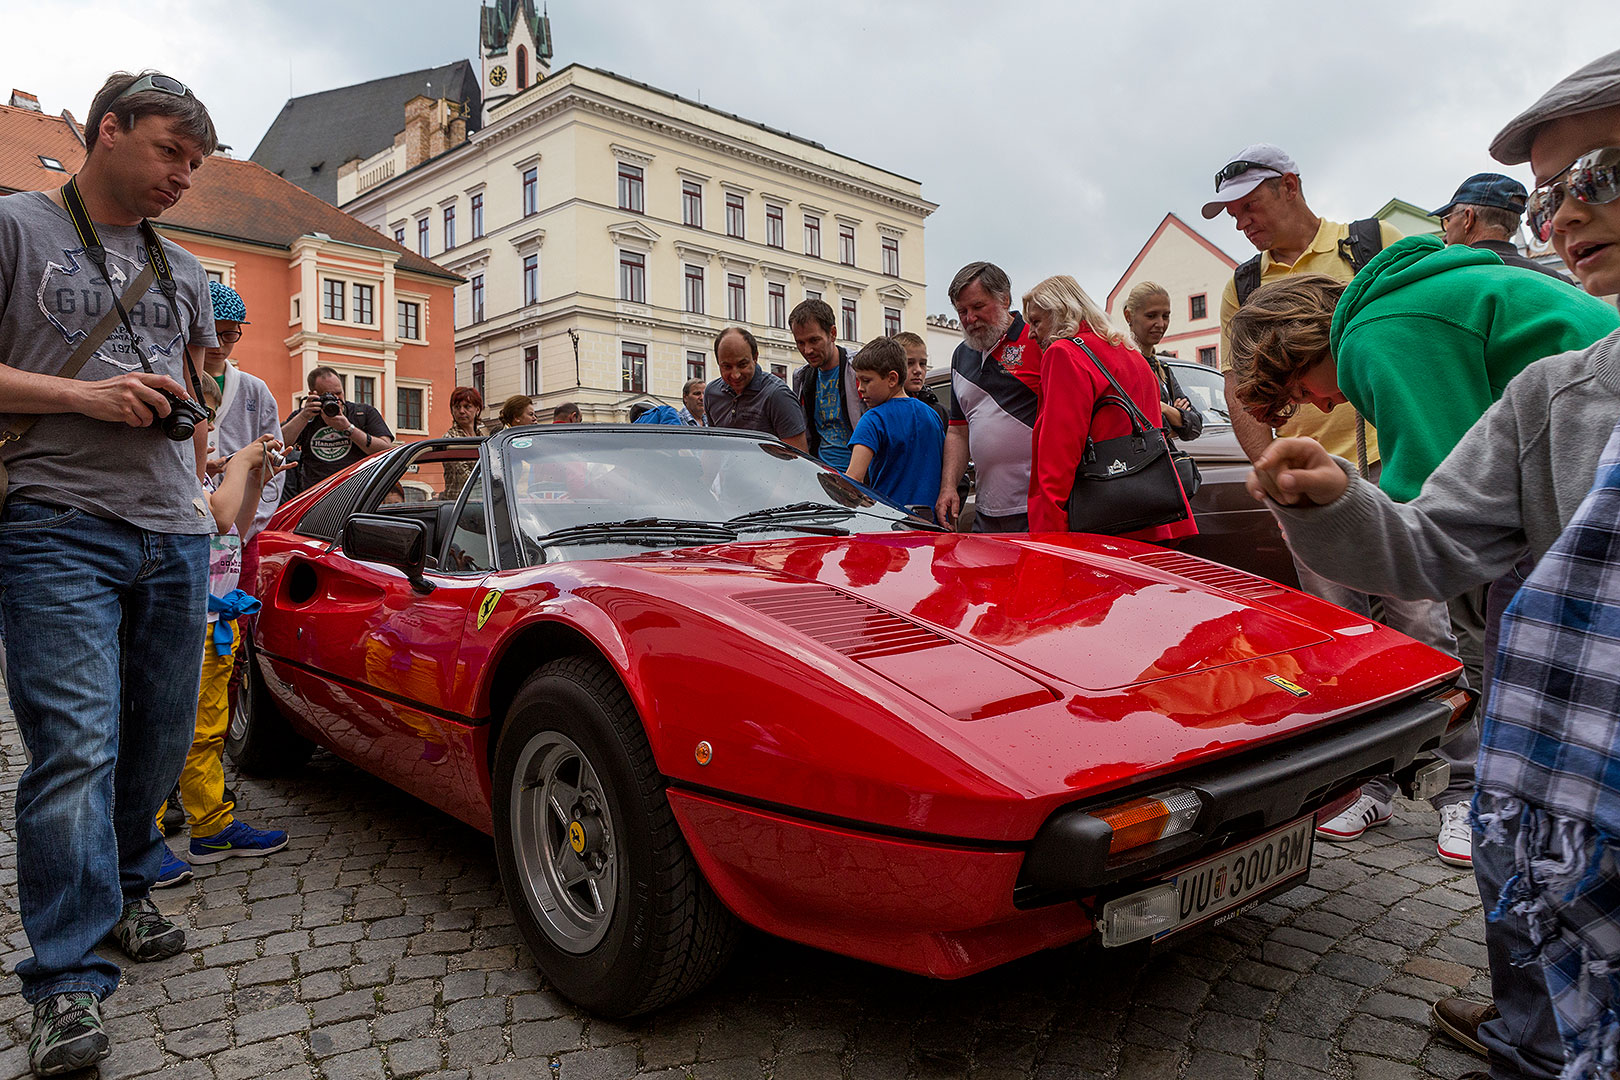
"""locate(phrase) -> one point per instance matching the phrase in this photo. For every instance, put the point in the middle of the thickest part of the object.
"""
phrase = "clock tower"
(515, 44)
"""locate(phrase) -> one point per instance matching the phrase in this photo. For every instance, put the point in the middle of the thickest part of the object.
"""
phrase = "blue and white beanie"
(228, 306)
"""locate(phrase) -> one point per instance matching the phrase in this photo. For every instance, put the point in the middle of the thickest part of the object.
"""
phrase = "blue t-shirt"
(830, 419)
(907, 442)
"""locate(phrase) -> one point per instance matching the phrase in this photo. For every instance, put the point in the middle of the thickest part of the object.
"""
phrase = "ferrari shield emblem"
(1012, 357)
(1293, 688)
(487, 608)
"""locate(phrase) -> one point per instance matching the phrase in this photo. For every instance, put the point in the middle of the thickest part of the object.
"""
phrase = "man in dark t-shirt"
(330, 444)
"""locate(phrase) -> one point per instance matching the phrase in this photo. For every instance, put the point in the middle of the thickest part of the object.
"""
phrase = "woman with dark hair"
(518, 411)
(466, 403)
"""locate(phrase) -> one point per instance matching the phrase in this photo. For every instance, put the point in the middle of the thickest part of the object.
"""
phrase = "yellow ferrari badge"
(487, 608)
(1276, 680)
(576, 837)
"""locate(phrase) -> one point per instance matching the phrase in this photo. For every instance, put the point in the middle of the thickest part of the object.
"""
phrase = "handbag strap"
(1139, 422)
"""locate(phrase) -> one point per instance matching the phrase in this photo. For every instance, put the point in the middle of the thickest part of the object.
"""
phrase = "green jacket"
(1428, 336)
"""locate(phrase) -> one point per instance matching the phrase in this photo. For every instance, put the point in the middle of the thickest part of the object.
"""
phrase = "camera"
(184, 416)
(331, 404)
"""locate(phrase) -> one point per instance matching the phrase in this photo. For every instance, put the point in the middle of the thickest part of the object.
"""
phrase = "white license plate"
(1226, 881)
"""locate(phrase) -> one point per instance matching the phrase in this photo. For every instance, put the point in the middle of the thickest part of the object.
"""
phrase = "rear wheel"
(600, 880)
(259, 739)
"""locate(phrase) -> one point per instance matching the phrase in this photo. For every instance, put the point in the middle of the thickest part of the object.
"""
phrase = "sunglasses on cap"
(161, 83)
(1234, 169)
(1594, 179)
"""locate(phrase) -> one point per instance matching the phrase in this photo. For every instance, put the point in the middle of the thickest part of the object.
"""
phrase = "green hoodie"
(1428, 336)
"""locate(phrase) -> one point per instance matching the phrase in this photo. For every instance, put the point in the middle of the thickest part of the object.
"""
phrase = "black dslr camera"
(184, 416)
(331, 404)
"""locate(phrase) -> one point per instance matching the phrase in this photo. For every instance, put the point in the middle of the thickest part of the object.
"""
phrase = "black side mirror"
(392, 541)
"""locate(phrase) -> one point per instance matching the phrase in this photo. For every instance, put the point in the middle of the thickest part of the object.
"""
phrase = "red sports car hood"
(1078, 610)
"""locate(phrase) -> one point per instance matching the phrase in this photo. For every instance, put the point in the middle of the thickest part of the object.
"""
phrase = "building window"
(811, 294)
(410, 320)
(780, 371)
(775, 235)
(633, 365)
(365, 390)
(531, 279)
(734, 215)
(1206, 356)
(812, 235)
(632, 277)
(692, 204)
(694, 289)
(449, 227)
(776, 301)
(422, 237)
(846, 244)
(891, 256)
(630, 188)
(531, 190)
(696, 366)
(891, 321)
(477, 214)
(409, 416)
(478, 377)
(215, 275)
(523, 67)
(51, 163)
(399, 236)
(736, 298)
(332, 306)
(849, 319)
(1198, 307)
(478, 298)
(363, 296)
(531, 369)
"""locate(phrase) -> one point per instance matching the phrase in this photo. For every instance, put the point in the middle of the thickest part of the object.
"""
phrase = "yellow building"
(609, 229)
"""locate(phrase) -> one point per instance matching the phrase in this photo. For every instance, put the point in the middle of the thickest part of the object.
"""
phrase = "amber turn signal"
(1149, 819)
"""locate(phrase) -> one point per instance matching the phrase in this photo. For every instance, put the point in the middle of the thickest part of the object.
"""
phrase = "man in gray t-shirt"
(103, 553)
(746, 396)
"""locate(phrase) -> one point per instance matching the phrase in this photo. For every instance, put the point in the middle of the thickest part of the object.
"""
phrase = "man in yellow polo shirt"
(1260, 189)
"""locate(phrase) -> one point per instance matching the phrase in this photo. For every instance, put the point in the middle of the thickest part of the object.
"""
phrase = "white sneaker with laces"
(1456, 842)
(1356, 819)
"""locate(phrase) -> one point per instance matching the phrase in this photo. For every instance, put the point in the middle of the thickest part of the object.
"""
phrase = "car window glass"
(1205, 388)
(424, 485)
(469, 548)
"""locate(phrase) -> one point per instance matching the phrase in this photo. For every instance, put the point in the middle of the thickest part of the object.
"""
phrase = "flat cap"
(1595, 86)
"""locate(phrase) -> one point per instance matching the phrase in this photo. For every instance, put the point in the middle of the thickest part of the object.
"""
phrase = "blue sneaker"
(175, 871)
(235, 839)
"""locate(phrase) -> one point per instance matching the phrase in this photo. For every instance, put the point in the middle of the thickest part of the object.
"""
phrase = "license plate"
(1237, 875)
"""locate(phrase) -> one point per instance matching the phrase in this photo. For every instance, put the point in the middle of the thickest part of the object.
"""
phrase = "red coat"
(1070, 387)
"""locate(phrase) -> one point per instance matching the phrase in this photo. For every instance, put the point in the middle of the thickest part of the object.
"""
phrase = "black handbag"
(1128, 483)
(1187, 469)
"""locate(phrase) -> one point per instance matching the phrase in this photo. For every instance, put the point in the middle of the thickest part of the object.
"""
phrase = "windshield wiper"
(636, 527)
(798, 509)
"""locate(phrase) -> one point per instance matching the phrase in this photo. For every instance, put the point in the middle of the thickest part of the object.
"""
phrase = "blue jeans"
(1523, 1043)
(102, 621)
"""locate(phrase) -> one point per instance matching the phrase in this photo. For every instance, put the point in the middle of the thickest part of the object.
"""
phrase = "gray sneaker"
(67, 1034)
(145, 934)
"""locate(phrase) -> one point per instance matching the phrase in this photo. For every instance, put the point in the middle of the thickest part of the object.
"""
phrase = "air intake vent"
(855, 628)
(1212, 574)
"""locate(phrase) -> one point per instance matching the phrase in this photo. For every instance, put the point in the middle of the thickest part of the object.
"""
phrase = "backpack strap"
(1247, 278)
(1366, 239)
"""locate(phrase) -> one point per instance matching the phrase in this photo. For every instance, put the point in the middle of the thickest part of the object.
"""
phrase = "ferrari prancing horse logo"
(487, 608)
(1292, 687)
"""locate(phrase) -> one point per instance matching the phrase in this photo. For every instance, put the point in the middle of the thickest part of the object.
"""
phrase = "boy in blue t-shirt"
(898, 444)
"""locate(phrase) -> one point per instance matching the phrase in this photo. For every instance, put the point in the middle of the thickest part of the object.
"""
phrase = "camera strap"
(156, 260)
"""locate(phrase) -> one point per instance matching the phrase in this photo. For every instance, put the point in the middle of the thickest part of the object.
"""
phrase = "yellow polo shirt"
(1335, 430)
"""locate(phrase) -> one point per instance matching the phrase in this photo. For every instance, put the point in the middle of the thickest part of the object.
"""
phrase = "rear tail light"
(1147, 820)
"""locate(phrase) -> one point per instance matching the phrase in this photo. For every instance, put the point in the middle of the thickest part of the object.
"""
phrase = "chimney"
(22, 99)
(419, 128)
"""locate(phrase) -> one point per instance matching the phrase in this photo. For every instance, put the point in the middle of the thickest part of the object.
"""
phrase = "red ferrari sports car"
(690, 679)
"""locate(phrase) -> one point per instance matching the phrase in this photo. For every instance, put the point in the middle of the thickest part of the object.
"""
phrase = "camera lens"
(330, 405)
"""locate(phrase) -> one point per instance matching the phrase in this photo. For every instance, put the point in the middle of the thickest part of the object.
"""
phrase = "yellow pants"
(202, 781)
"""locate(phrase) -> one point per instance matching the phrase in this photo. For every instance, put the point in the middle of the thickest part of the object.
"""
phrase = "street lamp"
(573, 335)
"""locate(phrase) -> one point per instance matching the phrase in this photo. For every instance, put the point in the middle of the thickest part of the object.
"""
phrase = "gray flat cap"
(1595, 86)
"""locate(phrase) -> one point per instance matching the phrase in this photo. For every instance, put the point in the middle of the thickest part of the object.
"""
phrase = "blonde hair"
(1279, 333)
(1141, 291)
(1071, 307)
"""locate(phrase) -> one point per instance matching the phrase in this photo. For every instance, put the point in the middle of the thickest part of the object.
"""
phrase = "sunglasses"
(161, 83)
(1593, 179)
(1234, 169)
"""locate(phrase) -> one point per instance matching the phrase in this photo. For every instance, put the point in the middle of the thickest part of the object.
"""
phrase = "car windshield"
(601, 491)
(1206, 388)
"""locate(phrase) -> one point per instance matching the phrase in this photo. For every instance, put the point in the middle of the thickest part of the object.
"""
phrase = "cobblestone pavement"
(378, 945)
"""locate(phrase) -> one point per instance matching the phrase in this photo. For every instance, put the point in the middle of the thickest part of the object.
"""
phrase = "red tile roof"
(24, 136)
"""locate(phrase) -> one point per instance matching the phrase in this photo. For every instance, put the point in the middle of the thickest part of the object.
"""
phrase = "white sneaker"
(1456, 842)
(1360, 816)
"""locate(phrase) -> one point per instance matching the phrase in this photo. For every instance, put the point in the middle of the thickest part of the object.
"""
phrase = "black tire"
(604, 889)
(259, 739)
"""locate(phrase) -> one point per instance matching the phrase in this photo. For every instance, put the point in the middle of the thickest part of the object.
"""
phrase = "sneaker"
(1360, 816)
(174, 813)
(145, 934)
(1456, 842)
(67, 1034)
(1460, 1018)
(175, 871)
(235, 839)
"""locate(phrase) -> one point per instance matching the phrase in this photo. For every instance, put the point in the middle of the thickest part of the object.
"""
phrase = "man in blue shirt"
(898, 444)
(825, 386)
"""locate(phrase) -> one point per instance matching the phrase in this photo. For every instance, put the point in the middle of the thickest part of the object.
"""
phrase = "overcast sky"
(1054, 135)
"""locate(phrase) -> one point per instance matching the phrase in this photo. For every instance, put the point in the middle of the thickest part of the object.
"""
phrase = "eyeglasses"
(163, 84)
(1594, 179)
(1233, 169)
(228, 337)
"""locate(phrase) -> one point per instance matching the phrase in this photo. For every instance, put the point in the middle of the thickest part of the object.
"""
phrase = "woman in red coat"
(1058, 309)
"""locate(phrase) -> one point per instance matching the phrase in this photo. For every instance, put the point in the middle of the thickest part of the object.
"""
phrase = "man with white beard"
(996, 389)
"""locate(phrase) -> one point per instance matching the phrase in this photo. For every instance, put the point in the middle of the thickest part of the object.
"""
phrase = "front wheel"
(599, 878)
(259, 739)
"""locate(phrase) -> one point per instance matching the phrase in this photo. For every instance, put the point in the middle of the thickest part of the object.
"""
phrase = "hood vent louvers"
(1214, 575)
(859, 630)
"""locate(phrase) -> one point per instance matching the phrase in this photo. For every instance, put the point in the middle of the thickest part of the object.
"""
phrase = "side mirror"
(392, 541)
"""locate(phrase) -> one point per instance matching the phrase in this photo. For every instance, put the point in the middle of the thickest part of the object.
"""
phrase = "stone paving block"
(1398, 1007)
(130, 1057)
(257, 1059)
(320, 986)
(366, 1064)
(1377, 1068)
(1353, 969)
(1141, 1063)
(1440, 971)
(281, 1020)
(546, 1038)
(269, 969)
(332, 935)
(738, 1068)
(333, 1039)
(191, 1013)
(1211, 1065)
(268, 996)
(1384, 1038)
(353, 1005)
(412, 1058)
(810, 1065)
(1229, 1034)
(409, 1024)
(480, 1046)
(1313, 1051)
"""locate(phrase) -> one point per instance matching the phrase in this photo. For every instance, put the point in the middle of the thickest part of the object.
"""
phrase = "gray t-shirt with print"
(51, 296)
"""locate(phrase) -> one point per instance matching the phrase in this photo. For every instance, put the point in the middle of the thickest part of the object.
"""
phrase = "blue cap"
(1489, 189)
(228, 306)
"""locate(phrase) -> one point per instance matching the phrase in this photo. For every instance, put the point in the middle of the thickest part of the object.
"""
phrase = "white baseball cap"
(1247, 170)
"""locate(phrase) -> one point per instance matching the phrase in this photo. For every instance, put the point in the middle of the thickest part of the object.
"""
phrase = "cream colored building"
(609, 229)
(1194, 272)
